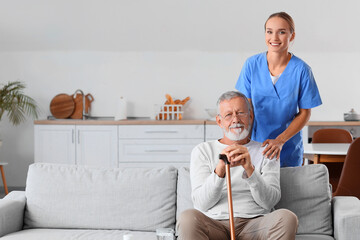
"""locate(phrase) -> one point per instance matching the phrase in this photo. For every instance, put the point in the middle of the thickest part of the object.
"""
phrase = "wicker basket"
(169, 112)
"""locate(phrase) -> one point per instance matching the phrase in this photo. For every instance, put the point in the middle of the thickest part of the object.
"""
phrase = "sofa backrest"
(183, 191)
(67, 196)
(304, 190)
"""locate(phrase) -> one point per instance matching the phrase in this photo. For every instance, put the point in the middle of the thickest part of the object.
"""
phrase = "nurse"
(282, 90)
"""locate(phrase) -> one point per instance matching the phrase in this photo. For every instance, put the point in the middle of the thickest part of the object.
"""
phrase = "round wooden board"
(62, 106)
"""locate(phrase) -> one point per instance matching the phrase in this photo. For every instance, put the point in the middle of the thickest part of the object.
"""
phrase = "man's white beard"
(239, 133)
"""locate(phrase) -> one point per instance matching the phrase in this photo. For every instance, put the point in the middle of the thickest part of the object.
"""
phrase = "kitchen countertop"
(119, 122)
(170, 122)
(333, 123)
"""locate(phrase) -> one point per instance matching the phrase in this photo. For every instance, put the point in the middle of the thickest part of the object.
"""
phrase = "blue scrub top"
(275, 106)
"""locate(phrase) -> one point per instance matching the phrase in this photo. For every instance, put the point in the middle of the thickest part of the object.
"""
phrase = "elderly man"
(255, 183)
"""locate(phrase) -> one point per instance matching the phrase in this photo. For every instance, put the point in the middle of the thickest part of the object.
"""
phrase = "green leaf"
(16, 104)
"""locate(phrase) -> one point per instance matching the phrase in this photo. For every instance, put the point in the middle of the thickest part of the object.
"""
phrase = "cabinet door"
(54, 143)
(96, 145)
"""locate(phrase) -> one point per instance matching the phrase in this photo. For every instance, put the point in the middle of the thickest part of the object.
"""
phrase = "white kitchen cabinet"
(96, 145)
(158, 145)
(54, 143)
(77, 144)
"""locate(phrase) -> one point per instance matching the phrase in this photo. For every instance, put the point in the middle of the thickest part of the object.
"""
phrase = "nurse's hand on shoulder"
(273, 148)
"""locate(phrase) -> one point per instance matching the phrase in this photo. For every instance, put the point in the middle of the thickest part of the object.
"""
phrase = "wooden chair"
(350, 174)
(3, 176)
(334, 163)
(332, 135)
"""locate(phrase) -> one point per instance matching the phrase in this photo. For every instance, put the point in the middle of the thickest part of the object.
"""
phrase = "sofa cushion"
(313, 237)
(68, 196)
(183, 191)
(346, 211)
(79, 234)
(305, 191)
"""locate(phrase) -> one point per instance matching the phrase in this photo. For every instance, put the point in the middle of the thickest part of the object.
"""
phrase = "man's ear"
(218, 120)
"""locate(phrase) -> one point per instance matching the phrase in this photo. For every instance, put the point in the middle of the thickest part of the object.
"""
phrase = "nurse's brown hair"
(284, 16)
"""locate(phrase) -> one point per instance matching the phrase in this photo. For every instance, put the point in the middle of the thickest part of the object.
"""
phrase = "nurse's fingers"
(275, 153)
(267, 149)
(265, 142)
(272, 152)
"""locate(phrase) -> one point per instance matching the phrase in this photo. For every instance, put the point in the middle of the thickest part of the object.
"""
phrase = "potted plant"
(16, 104)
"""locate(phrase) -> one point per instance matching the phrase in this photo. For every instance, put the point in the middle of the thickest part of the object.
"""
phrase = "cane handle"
(224, 158)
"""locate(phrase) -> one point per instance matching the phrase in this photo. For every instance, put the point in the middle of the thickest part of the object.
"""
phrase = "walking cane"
(230, 202)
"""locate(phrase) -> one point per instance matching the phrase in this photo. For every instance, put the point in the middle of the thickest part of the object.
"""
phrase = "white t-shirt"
(274, 79)
(252, 196)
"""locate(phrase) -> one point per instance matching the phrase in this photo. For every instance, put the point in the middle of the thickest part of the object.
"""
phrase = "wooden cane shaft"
(230, 202)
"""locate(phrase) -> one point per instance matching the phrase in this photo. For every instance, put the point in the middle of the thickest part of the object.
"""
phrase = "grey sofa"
(72, 202)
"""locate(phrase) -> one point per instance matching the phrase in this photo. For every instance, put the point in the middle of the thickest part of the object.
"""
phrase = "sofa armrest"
(12, 208)
(346, 212)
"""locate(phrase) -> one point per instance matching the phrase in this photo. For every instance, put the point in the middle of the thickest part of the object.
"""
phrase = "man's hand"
(220, 169)
(238, 155)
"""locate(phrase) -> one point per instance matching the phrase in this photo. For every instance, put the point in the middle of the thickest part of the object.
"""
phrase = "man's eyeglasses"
(230, 116)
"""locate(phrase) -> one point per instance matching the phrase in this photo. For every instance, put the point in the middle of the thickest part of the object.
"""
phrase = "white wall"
(144, 49)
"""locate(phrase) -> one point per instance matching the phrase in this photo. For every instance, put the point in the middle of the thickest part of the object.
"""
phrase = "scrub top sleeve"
(243, 84)
(309, 93)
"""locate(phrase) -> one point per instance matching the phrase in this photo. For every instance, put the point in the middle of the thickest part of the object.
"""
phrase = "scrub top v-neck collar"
(268, 82)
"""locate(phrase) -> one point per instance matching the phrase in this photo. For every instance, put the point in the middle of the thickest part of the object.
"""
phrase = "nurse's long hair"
(284, 16)
(233, 94)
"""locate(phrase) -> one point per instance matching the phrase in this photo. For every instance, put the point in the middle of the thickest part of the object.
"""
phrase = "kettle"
(351, 116)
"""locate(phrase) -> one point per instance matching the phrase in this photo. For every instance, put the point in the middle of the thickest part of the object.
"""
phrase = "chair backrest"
(350, 177)
(332, 135)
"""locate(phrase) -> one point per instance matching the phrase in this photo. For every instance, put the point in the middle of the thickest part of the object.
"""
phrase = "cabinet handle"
(78, 136)
(154, 131)
(161, 151)
(73, 136)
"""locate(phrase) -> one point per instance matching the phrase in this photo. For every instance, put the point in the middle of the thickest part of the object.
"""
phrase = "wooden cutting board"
(62, 106)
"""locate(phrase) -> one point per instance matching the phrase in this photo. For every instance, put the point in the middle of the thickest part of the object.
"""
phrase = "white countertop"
(326, 148)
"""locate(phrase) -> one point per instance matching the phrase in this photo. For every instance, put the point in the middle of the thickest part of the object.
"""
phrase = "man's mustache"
(237, 125)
